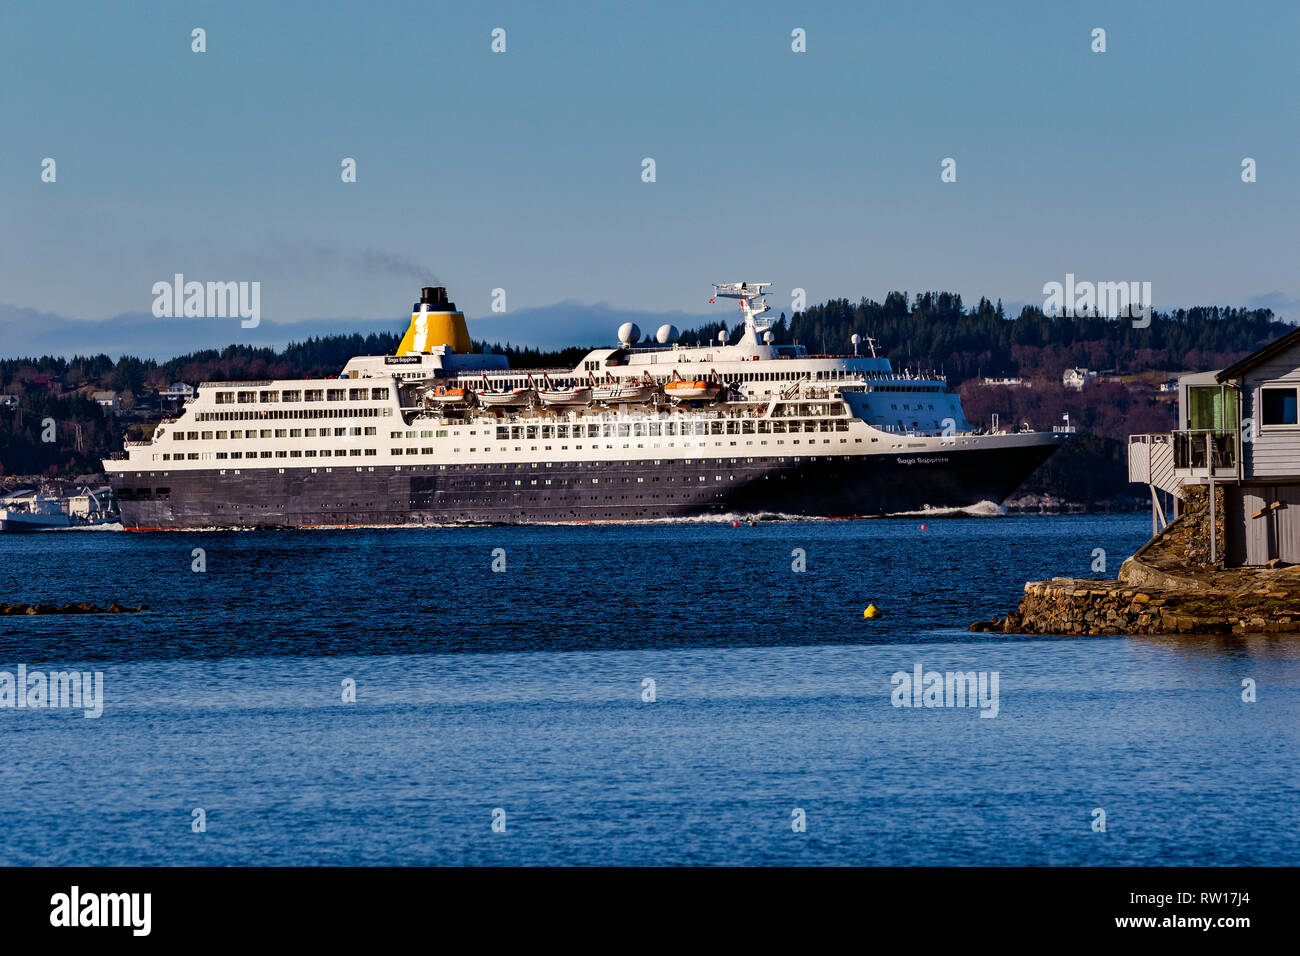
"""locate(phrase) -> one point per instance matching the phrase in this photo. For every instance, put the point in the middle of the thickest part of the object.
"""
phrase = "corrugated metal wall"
(1234, 526)
(1274, 534)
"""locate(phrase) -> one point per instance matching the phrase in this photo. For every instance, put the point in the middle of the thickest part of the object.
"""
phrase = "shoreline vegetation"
(1011, 368)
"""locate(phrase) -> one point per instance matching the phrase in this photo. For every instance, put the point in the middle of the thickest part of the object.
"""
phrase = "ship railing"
(478, 373)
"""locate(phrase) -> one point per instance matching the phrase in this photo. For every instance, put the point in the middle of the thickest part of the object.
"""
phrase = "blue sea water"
(522, 690)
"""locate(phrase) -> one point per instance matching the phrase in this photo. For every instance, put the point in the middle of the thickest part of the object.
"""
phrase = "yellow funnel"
(434, 322)
(430, 329)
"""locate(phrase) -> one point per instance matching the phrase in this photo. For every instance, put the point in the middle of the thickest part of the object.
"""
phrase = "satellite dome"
(722, 336)
(629, 333)
(767, 337)
(666, 334)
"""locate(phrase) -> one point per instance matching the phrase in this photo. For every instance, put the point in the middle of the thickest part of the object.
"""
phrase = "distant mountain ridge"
(29, 333)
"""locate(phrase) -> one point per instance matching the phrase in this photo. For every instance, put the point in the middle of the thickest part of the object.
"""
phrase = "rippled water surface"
(524, 690)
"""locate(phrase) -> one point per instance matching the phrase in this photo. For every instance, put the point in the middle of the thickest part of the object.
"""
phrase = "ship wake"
(981, 509)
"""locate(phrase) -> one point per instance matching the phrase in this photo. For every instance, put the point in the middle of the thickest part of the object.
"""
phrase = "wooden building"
(1239, 432)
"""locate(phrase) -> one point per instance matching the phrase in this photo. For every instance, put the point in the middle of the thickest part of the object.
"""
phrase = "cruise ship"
(439, 433)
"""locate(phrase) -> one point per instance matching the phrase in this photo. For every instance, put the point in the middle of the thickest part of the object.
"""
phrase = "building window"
(1211, 407)
(1279, 406)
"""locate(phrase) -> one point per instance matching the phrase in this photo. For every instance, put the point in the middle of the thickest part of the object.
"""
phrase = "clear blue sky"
(523, 170)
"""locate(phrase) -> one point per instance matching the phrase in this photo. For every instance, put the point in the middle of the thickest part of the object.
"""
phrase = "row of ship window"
(291, 453)
(266, 396)
(533, 432)
(596, 447)
(640, 429)
(906, 388)
(240, 433)
(356, 452)
(275, 413)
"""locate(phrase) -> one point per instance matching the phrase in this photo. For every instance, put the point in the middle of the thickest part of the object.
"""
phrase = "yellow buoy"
(871, 612)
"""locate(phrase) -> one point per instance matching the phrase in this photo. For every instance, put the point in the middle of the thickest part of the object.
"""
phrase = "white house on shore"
(1239, 430)
(1005, 382)
(1076, 378)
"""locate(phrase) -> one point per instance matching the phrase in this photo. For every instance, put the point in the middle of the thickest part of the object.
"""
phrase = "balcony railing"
(1192, 446)
(1151, 461)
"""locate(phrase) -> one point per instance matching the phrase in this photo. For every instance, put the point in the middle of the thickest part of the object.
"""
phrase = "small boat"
(615, 392)
(448, 395)
(490, 397)
(574, 395)
(38, 512)
(692, 390)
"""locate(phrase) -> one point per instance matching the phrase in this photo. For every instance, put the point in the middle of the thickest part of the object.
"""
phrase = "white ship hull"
(16, 521)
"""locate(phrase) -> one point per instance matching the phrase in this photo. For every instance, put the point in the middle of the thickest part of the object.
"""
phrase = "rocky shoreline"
(1080, 606)
(1168, 587)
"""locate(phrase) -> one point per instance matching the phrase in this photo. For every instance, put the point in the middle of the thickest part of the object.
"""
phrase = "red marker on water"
(922, 527)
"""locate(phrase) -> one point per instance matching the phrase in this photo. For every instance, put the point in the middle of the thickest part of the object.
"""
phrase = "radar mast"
(752, 305)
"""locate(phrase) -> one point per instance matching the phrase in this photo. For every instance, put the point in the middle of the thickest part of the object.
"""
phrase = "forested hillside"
(934, 330)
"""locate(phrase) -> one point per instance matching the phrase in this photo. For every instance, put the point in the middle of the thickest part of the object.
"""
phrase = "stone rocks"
(1090, 607)
(79, 607)
(1168, 587)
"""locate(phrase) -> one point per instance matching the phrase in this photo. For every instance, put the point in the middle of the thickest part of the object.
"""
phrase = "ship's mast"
(752, 305)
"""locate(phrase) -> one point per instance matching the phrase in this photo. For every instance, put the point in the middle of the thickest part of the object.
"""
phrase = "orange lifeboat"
(691, 390)
(449, 395)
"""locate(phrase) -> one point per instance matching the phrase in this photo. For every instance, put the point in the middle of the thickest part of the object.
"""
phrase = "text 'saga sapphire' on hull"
(438, 433)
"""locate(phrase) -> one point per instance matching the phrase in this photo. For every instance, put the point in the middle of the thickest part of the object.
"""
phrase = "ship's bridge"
(419, 366)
